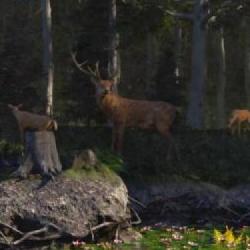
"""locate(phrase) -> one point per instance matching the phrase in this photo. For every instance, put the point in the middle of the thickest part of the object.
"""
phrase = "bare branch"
(30, 234)
(5, 238)
(10, 227)
(136, 201)
(184, 16)
(104, 224)
(138, 221)
(54, 236)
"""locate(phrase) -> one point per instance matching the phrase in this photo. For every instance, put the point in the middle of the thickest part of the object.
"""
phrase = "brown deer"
(125, 113)
(238, 116)
(30, 121)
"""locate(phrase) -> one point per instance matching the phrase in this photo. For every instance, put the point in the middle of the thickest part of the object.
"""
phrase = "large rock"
(192, 202)
(72, 204)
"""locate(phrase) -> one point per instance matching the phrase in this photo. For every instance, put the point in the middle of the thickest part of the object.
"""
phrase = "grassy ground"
(179, 238)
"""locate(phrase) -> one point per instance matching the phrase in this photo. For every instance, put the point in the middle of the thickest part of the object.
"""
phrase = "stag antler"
(89, 71)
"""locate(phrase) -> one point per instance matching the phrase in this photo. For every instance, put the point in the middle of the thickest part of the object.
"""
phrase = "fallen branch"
(50, 224)
(49, 237)
(10, 227)
(30, 234)
(5, 238)
(104, 224)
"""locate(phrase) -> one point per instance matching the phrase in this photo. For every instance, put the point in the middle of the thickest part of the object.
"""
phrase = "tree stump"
(40, 155)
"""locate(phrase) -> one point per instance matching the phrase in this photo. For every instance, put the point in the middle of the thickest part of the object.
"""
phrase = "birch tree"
(221, 84)
(113, 55)
(247, 58)
(48, 66)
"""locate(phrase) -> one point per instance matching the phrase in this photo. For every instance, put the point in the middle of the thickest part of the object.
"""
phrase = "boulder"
(75, 204)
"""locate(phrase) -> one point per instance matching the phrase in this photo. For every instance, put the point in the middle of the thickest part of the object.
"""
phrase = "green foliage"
(110, 160)
(8, 149)
(228, 238)
(210, 156)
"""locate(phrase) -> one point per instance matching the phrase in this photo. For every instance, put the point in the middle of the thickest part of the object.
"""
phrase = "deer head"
(15, 108)
(103, 87)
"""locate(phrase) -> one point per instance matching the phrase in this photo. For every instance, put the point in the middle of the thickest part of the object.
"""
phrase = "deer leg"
(117, 138)
(21, 134)
(239, 124)
(173, 145)
(166, 134)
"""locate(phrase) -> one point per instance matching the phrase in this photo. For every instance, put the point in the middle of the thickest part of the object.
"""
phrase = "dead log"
(40, 155)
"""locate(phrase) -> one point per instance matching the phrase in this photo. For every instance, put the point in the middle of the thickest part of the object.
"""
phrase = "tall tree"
(48, 66)
(196, 94)
(113, 55)
(197, 83)
(247, 58)
(221, 84)
(178, 52)
(152, 55)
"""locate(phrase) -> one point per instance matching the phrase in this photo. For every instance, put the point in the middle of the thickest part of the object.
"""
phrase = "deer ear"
(10, 106)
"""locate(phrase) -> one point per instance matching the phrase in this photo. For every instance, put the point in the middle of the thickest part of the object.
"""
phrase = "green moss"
(100, 172)
(110, 160)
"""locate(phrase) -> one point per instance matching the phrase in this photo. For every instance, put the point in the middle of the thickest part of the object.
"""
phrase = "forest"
(178, 67)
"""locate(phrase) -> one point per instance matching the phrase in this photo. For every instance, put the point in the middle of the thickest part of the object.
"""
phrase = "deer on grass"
(125, 113)
(238, 116)
(30, 121)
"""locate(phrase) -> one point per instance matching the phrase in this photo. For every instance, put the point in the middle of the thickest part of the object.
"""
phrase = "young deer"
(27, 120)
(238, 116)
(125, 113)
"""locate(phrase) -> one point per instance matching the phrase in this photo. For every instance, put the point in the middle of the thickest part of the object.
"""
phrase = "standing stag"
(124, 112)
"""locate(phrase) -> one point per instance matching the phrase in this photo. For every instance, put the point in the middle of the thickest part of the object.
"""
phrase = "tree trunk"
(48, 53)
(195, 110)
(221, 84)
(152, 53)
(40, 154)
(247, 59)
(2, 36)
(113, 60)
(178, 52)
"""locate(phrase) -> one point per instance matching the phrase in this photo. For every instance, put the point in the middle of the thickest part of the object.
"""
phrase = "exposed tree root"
(136, 201)
(32, 235)
(29, 235)
(138, 221)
